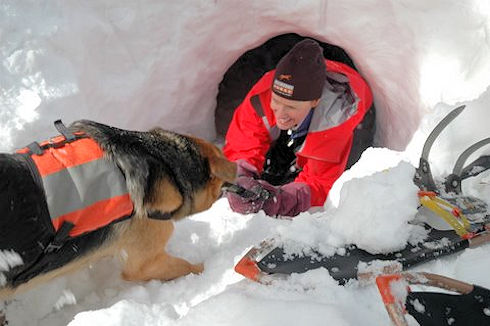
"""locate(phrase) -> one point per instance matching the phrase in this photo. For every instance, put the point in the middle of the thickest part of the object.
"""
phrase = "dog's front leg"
(146, 258)
(162, 267)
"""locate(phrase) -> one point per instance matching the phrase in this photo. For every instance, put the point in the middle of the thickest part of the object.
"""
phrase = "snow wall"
(138, 64)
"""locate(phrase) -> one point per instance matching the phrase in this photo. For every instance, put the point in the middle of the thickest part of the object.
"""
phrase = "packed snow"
(140, 64)
(8, 259)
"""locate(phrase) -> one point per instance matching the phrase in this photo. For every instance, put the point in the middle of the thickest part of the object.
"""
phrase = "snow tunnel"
(250, 67)
(186, 68)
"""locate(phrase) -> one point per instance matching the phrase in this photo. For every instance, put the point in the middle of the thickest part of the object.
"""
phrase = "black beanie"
(301, 73)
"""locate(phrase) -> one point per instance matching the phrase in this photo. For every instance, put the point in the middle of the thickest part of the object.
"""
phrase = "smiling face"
(290, 113)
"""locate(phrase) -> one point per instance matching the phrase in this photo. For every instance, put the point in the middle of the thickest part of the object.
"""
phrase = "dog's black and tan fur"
(165, 172)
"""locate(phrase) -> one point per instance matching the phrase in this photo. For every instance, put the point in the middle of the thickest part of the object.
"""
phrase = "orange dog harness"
(84, 190)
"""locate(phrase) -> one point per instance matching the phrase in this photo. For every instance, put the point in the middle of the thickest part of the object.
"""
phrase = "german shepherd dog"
(167, 175)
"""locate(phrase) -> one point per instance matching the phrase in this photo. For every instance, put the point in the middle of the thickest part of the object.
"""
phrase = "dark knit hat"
(301, 73)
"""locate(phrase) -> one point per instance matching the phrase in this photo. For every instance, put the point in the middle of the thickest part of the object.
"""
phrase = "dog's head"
(221, 171)
(194, 181)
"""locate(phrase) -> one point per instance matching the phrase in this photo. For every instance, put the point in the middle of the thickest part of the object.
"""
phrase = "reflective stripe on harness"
(88, 195)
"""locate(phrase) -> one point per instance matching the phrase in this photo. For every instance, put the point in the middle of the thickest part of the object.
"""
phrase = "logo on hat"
(283, 88)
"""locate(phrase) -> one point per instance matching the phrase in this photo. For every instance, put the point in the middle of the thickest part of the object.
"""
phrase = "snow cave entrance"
(250, 66)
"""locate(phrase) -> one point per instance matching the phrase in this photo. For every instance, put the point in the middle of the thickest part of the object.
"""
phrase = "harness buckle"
(35, 148)
(51, 247)
(57, 142)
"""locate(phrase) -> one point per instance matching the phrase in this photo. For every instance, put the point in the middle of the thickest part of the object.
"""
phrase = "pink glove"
(287, 200)
(246, 205)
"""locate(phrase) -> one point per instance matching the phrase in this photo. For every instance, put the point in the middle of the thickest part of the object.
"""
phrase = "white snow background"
(139, 64)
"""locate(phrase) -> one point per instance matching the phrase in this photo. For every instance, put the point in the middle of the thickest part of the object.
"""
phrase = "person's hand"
(287, 200)
(249, 204)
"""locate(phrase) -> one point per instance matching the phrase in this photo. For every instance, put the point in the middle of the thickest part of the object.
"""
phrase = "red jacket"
(324, 153)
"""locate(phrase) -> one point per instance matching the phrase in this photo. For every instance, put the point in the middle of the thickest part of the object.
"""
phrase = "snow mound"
(373, 213)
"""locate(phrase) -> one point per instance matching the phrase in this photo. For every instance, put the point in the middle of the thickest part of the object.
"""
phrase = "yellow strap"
(445, 210)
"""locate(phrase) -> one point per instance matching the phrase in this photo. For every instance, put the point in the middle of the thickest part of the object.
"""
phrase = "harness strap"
(255, 100)
(60, 237)
(35, 148)
(257, 105)
(59, 141)
(69, 136)
(157, 215)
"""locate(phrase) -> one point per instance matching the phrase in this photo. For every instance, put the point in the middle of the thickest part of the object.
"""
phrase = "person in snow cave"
(292, 134)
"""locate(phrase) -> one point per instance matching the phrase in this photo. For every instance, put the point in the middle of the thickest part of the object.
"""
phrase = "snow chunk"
(386, 202)
(66, 298)
(399, 290)
(373, 159)
(419, 307)
(9, 259)
(369, 270)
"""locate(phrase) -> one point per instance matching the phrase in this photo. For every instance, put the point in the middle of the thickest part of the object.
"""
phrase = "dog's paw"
(197, 268)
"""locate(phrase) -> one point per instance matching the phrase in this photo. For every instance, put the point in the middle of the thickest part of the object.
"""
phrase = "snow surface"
(137, 64)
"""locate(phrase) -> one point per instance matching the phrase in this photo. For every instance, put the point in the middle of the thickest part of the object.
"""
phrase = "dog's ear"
(222, 168)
